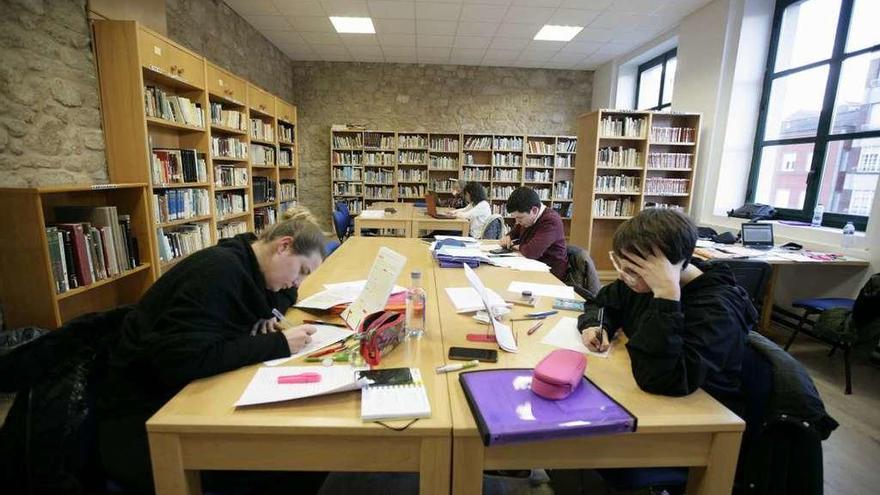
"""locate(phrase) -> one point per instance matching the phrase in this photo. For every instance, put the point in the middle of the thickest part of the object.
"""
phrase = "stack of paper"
(457, 256)
(372, 214)
(264, 387)
(549, 290)
(338, 293)
(520, 263)
(467, 300)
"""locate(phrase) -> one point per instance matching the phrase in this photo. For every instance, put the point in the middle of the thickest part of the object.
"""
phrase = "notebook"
(393, 393)
(264, 387)
(507, 411)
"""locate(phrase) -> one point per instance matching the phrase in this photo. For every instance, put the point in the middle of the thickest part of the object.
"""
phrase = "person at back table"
(686, 325)
(538, 233)
(210, 313)
(477, 210)
(456, 201)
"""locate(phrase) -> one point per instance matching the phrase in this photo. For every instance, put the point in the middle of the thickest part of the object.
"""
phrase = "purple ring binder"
(507, 411)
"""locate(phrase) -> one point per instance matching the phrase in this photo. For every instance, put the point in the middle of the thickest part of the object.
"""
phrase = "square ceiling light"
(557, 33)
(353, 24)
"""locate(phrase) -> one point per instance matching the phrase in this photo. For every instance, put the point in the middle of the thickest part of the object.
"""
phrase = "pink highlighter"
(310, 377)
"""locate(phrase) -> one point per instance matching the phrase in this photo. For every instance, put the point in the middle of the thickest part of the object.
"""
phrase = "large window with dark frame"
(818, 135)
(654, 82)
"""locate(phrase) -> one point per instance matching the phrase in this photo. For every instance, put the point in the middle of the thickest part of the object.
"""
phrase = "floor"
(851, 452)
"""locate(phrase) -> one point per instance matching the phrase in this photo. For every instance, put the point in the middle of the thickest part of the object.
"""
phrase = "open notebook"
(393, 393)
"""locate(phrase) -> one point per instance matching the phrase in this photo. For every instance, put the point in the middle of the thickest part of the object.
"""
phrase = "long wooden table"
(422, 222)
(412, 221)
(694, 431)
(200, 429)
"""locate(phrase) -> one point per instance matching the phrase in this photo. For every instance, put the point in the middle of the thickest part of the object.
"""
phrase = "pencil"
(322, 322)
(535, 327)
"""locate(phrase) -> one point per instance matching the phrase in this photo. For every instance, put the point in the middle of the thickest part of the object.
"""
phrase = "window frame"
(662, 60)
(823, 136)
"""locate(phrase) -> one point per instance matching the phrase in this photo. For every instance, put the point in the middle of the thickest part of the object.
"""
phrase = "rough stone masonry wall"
(425, 98)
(50, 118)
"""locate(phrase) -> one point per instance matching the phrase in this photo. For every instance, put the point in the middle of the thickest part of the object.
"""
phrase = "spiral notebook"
(393, 393)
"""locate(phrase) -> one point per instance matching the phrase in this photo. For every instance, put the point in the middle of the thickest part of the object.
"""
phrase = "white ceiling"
(465, 32)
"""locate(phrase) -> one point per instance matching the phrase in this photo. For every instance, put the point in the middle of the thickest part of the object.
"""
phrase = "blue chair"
(817, 306)
(331, 246)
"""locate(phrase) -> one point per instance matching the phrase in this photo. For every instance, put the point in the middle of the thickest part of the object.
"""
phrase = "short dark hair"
(673, 232)
(476, 191)
(522, 199)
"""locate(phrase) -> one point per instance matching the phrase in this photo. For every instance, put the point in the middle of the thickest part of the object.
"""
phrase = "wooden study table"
(694, 431)
(422, 222)
(200, 429)
(400, 220)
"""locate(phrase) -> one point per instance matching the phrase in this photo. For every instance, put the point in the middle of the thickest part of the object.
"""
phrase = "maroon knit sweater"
(544, 241)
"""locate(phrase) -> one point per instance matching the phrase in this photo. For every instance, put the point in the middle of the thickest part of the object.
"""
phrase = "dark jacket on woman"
(676, 347)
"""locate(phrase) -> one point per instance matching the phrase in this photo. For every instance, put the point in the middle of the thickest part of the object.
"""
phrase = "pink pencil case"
(559, 374)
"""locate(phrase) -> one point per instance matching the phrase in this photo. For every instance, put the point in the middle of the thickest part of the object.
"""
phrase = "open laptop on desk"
(431, 205)
(757, 235)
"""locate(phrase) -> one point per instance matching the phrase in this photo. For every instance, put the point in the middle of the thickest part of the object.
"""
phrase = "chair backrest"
(493, 228)
(340, 224)
(343, 207)
(751, 275)
(581, 273)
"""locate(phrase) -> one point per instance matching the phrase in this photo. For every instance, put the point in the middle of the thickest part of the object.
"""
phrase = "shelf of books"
(629, 161)
(211, 144)
(80, 249)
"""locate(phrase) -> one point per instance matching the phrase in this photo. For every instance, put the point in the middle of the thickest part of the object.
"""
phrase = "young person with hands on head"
(686, 325)
(210, 313)
(538, 233)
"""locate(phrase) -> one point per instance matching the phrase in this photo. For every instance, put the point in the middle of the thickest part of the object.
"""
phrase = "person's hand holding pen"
(596, 338)
(297, 336)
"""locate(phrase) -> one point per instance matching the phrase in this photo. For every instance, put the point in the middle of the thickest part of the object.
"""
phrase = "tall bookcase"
(28, 290)
(629, 161)
(362, 168)
(159, 97)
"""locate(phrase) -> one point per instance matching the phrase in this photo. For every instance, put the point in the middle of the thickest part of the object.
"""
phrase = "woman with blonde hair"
(210, 313)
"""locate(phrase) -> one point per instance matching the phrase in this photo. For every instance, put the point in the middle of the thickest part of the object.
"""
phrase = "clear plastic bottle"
(415, 307)
(817, 215)
(849, 235)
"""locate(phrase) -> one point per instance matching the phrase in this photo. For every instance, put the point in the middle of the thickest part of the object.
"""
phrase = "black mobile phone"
(500, 251)
(470, 353)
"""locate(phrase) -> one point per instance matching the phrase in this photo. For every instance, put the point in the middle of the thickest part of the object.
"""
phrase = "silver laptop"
(757, 235)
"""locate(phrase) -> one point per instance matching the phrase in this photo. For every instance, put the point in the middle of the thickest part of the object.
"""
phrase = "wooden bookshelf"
(28, 288)
(131, 57)
(661, 172)
(427, 160)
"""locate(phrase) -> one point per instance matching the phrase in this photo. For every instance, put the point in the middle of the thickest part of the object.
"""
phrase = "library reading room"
(439, 247)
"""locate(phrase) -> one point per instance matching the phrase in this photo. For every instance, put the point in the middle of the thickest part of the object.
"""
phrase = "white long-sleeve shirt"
(477, 214)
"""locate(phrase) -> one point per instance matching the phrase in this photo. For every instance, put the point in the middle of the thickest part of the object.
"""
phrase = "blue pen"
(542, 314)
(281, 318)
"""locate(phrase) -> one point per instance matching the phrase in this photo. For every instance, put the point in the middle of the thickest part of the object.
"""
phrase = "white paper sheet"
(565, 335)
(355, 287)
(464, 252)
(549, 290)
(325, 299)
(380, 282)
(467, 300)
(264, 387)
(457, 238)
(520, 263)
(503, 333)
(372, 214)
(323, 337)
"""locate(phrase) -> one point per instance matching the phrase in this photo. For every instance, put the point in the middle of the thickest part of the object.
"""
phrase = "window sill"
(824, 239)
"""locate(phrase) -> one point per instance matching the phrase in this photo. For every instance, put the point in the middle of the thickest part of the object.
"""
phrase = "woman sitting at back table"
(456, 200)
(209, 314)
(478, 210)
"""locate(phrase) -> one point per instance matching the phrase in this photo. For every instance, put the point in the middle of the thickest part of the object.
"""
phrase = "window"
(655, 81)
(821, 100)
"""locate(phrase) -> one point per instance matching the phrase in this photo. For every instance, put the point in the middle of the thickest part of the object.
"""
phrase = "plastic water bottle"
(817, 215)
(849, 235)
(415, 307)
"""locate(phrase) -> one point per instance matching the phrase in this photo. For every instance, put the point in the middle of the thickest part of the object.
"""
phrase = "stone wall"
(50, 122)
(426, 98)
(212, 29)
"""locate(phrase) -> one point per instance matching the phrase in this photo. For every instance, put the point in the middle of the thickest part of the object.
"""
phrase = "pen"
(601, 323)
(329, 350)
(322, 322)
(542, 314)
(528, 318)
(455, 367)
(534, 327)
(281, 318)
(339, 358)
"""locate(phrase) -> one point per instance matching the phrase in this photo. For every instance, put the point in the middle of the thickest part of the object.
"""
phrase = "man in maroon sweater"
(538, 233)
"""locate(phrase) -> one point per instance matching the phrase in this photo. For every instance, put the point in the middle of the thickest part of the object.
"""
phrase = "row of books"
(285, 132)
(540, 161)
(505, 174)
(444, 162)
(500, 209)
(539, 176)
(379, 192)
(380, 159)
(470, 159)
(262, 130)
(230, 176)
(347, 189)
(179, 109)
(348, 173)
(620, 157)
(228, 147)
(665, 206)
(263, 217)
(416, 157)
(230, 202)
(412, 141)
(672, 134)
(285, 157)
(174, 166)
(346, 158)
(511, 143)
(179, 204)
(376, 140)
(566, 145)
(543, 193)
(262, 154)
(231, 229)
(476, 174)
(478, 142)
(228, 118)
(380, 176)
(613, 207)
(411, 191)
(670, 160)
(565, 161)
(183, 240)
(348, 141)
(618, 183)
(442, 185)
(287, 190)
(444, 144)
(355, 206)
(663, 185)
(563, 209)
(264, 189)
(502, 192)
(508, 159)
(563, 189)
(622, 127)
(410, 175)
(89, 244)
(540, 147)
(286, 205)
